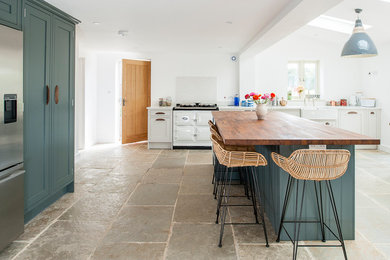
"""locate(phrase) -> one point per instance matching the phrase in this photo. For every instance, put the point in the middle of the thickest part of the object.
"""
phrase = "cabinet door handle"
(160, 113)
(327, 123)
(160, 119)
(47, 94)
(352, 113)
(56, 94)
(372, 113)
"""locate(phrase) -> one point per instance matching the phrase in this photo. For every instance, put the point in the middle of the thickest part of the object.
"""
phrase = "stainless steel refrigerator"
(11, 136)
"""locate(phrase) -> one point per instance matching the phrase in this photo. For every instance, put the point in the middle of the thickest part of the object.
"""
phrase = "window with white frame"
(303, 78)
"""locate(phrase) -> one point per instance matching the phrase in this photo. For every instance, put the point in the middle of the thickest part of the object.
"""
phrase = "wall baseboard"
(384, 148)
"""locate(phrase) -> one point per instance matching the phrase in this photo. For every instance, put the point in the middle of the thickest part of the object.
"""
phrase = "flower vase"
(261, 111)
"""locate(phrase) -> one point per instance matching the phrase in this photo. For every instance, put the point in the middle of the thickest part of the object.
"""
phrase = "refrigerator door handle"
(11, 176)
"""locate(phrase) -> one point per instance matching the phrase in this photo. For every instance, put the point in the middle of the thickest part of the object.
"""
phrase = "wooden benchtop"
(278, 128)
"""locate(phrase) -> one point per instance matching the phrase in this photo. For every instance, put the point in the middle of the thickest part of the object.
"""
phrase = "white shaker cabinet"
(351, 120)
(160, 128)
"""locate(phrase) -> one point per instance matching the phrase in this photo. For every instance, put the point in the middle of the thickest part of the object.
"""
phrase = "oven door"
(202, 118)
(185, 118)
(184, 135)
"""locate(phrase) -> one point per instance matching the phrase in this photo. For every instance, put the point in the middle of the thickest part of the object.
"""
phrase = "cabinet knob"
(372, 113)
(327, 123)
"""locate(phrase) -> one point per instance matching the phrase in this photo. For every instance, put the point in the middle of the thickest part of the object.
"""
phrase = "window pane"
(310, 78)
(293, 77)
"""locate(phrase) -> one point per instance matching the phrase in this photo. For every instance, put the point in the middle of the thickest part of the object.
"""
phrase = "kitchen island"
(283, 133)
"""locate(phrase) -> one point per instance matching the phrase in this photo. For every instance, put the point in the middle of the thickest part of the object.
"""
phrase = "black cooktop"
(196, 106)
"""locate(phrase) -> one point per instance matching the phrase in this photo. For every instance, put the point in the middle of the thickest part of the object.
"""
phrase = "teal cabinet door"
(37, 41)
(62, 105)
(11, 13)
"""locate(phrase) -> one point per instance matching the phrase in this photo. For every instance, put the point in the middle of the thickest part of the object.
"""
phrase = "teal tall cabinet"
(11, 13)
(49, 69)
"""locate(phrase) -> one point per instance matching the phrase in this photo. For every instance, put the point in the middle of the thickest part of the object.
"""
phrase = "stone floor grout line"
(372, 175)
(44, 230)
(173, 213)
(120, 210)
(369, 242)
(234, 237)
(374, 201)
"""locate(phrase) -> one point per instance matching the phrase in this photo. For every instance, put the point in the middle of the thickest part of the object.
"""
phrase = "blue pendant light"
(360, 44)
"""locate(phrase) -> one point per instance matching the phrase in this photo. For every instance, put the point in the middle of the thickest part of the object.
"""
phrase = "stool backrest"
(318, 164)
(214, 131)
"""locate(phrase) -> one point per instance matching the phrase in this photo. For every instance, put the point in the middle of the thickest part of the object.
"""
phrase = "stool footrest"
(319, 245)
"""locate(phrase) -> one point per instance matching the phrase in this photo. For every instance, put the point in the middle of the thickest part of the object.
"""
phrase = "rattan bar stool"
(231, 160)
(218, 168)
(317, 166)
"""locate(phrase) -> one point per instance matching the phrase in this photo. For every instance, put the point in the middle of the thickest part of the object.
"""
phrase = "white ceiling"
(375, 13)
(170, 25)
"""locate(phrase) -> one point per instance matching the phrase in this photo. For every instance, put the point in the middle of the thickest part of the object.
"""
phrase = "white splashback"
(196, 89)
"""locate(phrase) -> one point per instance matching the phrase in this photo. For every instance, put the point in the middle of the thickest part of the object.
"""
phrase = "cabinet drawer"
(10, 13)
(160, 113)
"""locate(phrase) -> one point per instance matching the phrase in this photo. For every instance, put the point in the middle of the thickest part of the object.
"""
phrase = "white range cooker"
(190, 125)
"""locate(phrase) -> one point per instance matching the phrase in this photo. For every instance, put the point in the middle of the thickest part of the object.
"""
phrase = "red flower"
(247, 96)
(273, 95)
(255, 97)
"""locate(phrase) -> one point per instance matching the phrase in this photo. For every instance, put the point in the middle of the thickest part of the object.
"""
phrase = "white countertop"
(160, 108)
(297, 107)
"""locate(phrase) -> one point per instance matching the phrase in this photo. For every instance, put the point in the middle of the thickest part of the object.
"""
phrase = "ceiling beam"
(292, 17)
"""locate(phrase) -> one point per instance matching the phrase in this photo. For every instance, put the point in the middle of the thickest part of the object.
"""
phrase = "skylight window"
(335, 24)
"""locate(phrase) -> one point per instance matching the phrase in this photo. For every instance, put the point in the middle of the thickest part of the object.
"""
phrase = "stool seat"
(316, 165)
(236, 158)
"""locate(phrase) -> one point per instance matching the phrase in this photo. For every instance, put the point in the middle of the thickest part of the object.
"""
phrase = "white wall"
(338, 76)
(103, 112)
(91, 98)
(378, 85)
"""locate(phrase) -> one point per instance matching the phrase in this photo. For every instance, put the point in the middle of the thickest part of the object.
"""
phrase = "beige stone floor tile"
(364, 201)
(196, 209)
(372, 185)
(90, 176)
(359, 249)
(203, 157)
(141, 224)
(65, 240)
(199, 170)
(197, 185)
(164, 176)
(200, 241)
(130, 251)
(96, 207)
(116, 184)
(373, 224)
(154, 194)
(98, 163)
(10, 251)
(274, 252)
(384, 249)
(173, 154)
(162, 162)
(382, 199)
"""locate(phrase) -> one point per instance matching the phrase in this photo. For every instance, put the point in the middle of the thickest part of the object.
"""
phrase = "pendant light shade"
(360, 44)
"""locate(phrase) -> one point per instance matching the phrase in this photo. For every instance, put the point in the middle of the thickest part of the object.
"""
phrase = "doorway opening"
(136, 93)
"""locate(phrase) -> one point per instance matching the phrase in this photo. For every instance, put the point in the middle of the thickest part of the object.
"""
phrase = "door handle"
(123, 102)
(56, 94)
(47, 94)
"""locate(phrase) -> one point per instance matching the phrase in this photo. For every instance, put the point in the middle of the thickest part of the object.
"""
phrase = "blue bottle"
(236, 101)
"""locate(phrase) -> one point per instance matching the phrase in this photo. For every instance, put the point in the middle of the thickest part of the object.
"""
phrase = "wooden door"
(62, 103)
(37, 106)
(136, 98)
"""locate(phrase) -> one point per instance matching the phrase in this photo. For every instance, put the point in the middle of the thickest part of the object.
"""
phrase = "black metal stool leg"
(336, 217)
(217, 175)
(220, 191)
(253, 197)
(320, 208)
(261, 206)
(296, 239)
(225, 207)
(285, 203)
